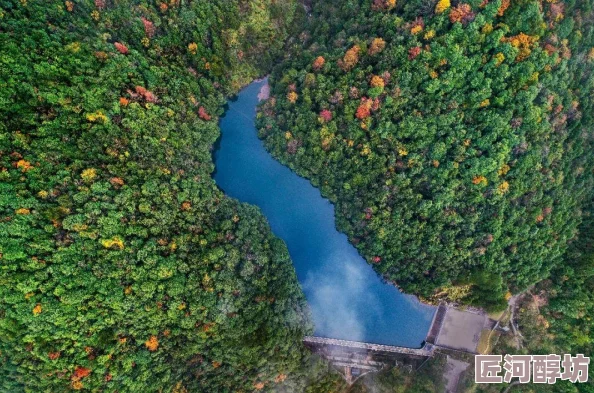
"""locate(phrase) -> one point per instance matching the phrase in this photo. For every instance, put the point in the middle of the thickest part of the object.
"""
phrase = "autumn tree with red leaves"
(149, 27)
(203, 114)
(326, 115)
(318, 63)
(123, 49)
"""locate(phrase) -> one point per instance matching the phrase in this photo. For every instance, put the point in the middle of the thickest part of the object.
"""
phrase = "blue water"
(347, 298)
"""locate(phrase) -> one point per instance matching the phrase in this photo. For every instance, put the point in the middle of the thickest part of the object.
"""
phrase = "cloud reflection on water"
(347, 298)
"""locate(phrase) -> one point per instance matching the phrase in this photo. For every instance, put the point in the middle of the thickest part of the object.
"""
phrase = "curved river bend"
(347, 298)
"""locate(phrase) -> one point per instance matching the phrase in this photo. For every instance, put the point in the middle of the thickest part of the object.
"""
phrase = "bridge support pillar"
(355, 359)
(348, 375)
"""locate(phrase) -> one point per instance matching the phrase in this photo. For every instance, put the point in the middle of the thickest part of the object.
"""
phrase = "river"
(347, 298)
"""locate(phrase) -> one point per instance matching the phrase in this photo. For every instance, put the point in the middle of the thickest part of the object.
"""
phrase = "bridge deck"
(427, 350)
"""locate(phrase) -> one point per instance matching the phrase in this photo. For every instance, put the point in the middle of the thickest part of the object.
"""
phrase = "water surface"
(347, 298)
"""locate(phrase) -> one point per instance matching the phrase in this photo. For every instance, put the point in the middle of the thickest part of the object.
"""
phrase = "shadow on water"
(347, 298)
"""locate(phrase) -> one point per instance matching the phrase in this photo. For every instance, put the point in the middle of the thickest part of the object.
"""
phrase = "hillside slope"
(122, 266)
(451, 136)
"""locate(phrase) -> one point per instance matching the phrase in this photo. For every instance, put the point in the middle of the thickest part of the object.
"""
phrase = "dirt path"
(512, 306)
(454, 369)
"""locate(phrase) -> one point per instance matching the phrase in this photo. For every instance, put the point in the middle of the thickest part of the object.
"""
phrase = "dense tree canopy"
(122, 266)
(450, 135)
(555, 316)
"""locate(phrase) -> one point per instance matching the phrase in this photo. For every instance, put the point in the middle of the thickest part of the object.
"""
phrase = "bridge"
(426, 350)
(356, 359)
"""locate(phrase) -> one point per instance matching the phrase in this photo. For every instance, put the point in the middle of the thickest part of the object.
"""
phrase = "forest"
(122, 266)
(555, 315)
(452, 137)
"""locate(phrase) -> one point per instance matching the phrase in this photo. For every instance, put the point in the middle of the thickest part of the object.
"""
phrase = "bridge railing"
(426, 350)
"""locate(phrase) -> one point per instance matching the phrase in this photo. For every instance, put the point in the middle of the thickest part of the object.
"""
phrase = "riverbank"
(348, 300)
